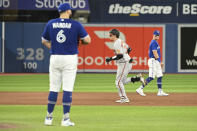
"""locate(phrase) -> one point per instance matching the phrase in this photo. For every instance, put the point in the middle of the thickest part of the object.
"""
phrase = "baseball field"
(23, 99)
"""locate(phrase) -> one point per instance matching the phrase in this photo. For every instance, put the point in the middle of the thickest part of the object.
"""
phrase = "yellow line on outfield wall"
(134, 14)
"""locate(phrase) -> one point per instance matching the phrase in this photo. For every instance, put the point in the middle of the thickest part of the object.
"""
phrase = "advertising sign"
(144, 11)
(187, 48)
(42, 4)
(138, 37)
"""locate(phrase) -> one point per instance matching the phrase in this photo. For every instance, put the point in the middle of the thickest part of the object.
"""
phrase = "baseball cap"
(156, 32)
(64, 7)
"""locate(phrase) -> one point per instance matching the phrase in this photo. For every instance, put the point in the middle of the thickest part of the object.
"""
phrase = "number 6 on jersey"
(60, 37)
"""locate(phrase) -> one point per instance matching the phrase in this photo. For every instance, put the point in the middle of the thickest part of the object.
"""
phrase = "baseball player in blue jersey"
(155, 66)
(124, 65)
(61, 36)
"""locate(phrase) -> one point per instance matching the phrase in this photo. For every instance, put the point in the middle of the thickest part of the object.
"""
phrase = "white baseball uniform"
(62, 71)
(155, 69)
(63, 35)
(123, 67)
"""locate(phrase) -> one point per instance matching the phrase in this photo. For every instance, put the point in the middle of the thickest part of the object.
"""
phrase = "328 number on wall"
(30, 54)
(30, 57)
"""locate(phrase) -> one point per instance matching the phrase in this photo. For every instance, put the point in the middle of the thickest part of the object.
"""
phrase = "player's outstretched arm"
(116, 57)
(46, 43)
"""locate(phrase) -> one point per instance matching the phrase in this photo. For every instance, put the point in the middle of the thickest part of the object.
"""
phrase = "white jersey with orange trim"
(120, 47)
(123, 67)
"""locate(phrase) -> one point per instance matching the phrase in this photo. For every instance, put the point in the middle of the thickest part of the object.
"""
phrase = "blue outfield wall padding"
(41, 53)
(171, 52)
(13, 40)
(24, 51)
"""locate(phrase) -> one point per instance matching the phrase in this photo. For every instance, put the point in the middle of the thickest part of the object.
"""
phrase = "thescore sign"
(139, 9)
(178, 11)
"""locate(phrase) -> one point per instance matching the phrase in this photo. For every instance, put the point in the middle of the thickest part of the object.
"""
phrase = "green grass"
(96, 83)
(103, 118)
(100, 118)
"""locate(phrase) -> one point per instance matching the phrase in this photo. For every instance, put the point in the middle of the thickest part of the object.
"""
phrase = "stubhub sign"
(42, 4)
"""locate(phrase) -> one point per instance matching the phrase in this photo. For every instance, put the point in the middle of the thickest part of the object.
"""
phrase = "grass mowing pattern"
(96, 83)
(100, 118)
(103, 118)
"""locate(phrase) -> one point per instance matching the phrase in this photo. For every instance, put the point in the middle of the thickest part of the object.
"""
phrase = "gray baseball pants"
(121, 77)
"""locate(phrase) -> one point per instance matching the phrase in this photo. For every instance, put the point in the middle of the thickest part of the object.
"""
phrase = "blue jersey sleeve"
(82, 32)
(45, 34)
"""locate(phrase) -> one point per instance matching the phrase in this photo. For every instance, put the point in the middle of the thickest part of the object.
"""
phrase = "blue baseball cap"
(156, 32)
(64, 7)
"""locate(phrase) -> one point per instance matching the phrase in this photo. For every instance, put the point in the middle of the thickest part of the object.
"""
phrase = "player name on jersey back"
(61, 25)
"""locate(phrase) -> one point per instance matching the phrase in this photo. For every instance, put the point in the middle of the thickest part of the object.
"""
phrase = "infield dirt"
(40, 98)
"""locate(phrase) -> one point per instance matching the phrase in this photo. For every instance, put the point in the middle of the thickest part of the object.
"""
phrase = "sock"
(142, 86)
(67, 99)
(159, 83)
(66, 116)
(149, 79)
(52, 99)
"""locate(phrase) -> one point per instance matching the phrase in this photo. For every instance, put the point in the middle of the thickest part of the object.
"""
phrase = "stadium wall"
(25, 53)
(171, 48)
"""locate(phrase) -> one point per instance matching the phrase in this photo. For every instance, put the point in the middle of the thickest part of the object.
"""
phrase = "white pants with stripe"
(62, 72)
(121, 77)
(155, 69)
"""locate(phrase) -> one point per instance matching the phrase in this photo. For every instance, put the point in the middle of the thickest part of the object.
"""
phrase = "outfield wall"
(25, 53)
(171, 48)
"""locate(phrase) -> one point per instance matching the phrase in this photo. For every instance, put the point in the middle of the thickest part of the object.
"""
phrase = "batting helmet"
(115, 32)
